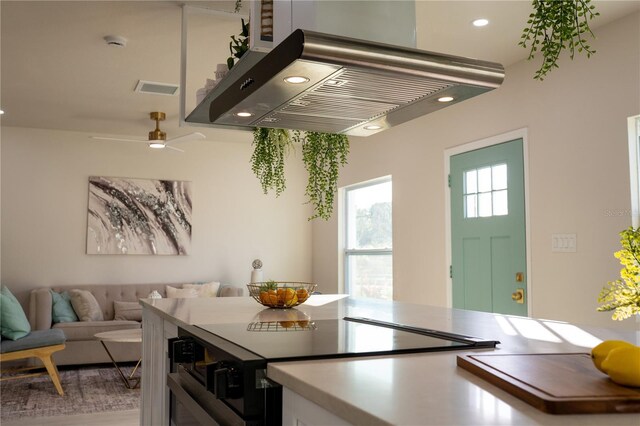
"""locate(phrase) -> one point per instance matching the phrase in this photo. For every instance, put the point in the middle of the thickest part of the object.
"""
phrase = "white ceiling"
(58, 73)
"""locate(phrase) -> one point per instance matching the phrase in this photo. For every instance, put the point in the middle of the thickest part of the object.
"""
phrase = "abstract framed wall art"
(139, 216)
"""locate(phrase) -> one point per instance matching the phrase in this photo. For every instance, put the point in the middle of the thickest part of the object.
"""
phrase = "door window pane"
(471, 205)
(471, 182)
(500, 203)
(484, 204)
(484, 179)
(499, 177)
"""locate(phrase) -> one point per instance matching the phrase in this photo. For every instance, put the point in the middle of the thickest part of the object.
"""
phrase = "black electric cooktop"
(337, 338)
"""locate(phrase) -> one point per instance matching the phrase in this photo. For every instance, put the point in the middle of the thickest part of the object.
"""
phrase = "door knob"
(518, 295)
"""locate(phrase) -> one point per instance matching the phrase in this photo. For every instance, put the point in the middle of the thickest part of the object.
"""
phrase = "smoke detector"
(117, 41)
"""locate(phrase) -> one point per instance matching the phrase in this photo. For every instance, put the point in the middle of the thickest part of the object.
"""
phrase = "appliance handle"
(173, 381)
(474, 341)
(200, 403)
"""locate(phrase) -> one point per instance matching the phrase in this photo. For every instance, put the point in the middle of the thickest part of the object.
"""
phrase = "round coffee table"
(133, 335)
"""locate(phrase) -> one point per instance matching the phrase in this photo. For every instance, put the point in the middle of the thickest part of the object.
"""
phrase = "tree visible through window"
(368, 244)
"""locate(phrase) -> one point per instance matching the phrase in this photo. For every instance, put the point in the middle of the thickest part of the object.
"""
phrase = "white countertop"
(415, 389)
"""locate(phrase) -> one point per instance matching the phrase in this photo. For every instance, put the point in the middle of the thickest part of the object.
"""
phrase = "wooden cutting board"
(554, 383)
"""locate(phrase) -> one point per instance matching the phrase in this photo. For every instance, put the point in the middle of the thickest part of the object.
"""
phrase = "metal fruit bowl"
(281, 294)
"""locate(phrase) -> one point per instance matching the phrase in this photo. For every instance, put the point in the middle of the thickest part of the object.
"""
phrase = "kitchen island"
(425, 388)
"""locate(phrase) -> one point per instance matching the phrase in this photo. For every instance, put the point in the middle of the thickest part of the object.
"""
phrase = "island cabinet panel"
(297, 410)
(155, 361)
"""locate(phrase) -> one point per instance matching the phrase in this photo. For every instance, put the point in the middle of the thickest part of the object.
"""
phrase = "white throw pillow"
(86, 305)
(180, 293)
(206, 289)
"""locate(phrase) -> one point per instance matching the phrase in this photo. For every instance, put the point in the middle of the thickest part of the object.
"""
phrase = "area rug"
(86, 390)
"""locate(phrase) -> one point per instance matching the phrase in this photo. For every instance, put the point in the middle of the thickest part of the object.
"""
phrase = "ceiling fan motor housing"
(157, 134)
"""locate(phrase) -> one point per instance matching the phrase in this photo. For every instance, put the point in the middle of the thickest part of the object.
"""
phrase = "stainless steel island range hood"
(327, 83)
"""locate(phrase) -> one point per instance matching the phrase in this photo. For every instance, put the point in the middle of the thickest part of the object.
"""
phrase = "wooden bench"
(39, 344)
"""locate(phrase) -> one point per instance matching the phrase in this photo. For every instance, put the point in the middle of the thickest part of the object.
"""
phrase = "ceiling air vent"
(155, 88)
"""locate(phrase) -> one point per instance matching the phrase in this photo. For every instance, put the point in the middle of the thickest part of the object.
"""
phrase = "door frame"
(471, 146)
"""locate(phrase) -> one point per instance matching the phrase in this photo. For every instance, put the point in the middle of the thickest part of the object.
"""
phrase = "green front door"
(488, 229)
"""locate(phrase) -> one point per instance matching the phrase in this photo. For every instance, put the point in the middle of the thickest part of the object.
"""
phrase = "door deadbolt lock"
(518, 295)
(519, 277)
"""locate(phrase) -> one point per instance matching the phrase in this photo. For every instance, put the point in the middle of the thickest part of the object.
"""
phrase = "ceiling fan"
(158, 138)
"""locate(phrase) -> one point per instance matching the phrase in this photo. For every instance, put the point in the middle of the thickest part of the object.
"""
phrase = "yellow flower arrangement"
(623, 295)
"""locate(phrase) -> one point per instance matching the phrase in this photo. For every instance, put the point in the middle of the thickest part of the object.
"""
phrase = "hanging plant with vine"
(555, 25)
(271, 146)
(323, 154)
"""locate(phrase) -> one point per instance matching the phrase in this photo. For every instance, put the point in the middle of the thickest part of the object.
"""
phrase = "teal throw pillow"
(13, 322)
(62, 311)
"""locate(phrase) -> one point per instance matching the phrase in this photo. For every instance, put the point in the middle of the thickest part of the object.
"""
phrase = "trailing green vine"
(267, 160)
(555, 25)
(323, 154)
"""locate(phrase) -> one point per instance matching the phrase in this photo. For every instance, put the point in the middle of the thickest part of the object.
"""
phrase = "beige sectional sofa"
(82, 347)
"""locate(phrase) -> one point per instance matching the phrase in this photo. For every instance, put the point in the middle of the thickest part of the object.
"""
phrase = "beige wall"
(578, 163)
(44, 212)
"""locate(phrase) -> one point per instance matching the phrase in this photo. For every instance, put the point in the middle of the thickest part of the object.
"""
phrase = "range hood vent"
(351, 86)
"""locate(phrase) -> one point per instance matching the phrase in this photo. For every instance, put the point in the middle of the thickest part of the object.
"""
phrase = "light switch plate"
(564, 243)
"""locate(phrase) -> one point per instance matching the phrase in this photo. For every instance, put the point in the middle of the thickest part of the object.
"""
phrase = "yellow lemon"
(623, 365)
(600, 352)
(290, 297)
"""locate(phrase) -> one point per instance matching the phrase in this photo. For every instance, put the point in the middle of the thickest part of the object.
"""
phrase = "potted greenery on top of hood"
(323, 155)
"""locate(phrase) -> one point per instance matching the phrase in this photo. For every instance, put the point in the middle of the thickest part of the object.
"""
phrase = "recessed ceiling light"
(156, 145)
(335, 83)
(445, 99)
(296, 79)
(372, 127)
(116, 41)
(481, 22)
(244, 114)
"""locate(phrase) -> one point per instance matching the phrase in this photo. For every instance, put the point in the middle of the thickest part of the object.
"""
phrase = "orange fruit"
(281, 295)
(287, 324)
(273, 298)
(302, 294)
(264, 297)
(303, 324)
